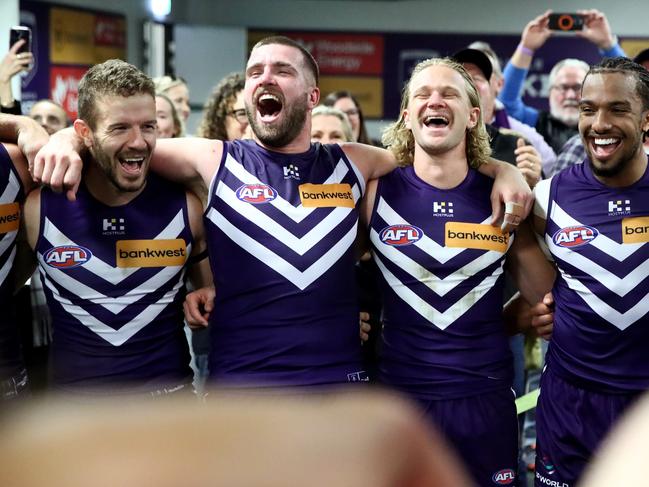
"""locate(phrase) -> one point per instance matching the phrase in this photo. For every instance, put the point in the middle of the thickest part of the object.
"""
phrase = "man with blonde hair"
(442, 271)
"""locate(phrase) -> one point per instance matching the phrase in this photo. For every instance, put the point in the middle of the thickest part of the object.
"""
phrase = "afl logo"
(400, 235)
(67, 256)
(574, 236)
(504, 477)
(256, 193)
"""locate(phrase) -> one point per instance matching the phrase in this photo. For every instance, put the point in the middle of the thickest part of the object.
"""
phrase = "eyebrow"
(275, 64)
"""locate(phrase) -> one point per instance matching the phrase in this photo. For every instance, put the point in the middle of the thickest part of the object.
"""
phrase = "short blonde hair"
(342, 116)
(400, 141)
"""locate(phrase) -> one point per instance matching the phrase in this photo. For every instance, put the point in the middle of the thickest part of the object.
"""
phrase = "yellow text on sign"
(635, 230)
(150, 253)
(475, 236)
(326, 195)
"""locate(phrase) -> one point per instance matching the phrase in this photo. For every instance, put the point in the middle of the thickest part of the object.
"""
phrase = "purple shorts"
(483, 429)
(570, 424)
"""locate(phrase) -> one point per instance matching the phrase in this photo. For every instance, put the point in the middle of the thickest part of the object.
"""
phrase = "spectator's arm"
(512, 95)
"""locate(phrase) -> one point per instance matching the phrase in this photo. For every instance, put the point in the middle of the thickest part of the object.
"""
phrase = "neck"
(104, 190)
(444, 171)
(629, 175)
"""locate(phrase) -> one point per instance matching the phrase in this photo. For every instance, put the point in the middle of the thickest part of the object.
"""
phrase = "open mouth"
(604, 147)
(132, 165)
(269, 106)
(436, 121)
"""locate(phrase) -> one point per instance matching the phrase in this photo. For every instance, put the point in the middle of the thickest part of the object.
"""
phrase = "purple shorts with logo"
(570, 424)
(484, 432)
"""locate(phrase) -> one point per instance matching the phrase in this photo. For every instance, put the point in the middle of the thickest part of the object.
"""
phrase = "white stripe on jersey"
(439, 252)
(619, 251)
(6, 267)
(295, 213)
(300, 279)
(113, 275)
(112, 336)
(430, 313)
(614, 317)
(300, 245)
(439, 286)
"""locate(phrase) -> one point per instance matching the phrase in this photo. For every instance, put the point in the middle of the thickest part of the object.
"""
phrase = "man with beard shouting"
(281, 219)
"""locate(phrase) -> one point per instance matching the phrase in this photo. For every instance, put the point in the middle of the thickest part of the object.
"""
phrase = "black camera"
(19, 32)
(566, 22)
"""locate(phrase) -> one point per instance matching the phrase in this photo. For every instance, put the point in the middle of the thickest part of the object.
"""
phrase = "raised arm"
(23, 131)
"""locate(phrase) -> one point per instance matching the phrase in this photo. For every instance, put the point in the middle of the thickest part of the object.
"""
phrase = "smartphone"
(566, 22)
(20, 32)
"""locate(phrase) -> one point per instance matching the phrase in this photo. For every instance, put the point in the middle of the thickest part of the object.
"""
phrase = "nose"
(600, 122)
(137, 140)
(435, 99)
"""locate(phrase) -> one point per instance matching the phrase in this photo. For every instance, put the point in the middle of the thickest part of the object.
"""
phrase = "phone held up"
(20, 32)
(565, 22)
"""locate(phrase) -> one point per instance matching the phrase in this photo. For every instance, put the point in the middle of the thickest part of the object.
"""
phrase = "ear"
(314, 97)
(84, 131)
(474, 113)
(645, 121)
(406, 119)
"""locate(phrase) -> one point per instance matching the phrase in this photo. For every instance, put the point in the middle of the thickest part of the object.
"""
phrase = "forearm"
(512, 95)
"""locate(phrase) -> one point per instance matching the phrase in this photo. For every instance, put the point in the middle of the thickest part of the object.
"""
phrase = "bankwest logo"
(571, 237)
(399, 235)
(256, 194)
(635, 230)
(326, 195)
(150, 253)
(475, 236)
(9, 217)
(67, 256)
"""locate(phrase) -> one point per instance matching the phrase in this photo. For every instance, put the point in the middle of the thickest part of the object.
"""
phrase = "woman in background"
(347, 103)
(224, 115)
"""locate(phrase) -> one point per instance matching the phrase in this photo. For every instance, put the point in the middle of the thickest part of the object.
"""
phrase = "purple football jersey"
(113, 278)
(280, 230)
(598, 237)
(11, 196)
(442, 278)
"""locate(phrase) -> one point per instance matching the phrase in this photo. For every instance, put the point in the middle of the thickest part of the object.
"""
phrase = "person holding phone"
(19, 59)
(566, 77)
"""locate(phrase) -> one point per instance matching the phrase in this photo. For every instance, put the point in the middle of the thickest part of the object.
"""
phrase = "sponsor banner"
(64, 87)
(9, 217)
(336, 53)
(635, 230)
(367, 90)
(326, 195)
(150, 253)
(81, 37)
(475, 236)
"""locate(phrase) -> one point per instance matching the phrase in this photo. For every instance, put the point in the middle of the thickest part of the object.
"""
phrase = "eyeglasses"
(239, 115)
(566, 88)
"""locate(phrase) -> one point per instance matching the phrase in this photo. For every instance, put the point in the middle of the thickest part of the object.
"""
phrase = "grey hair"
(568, 62)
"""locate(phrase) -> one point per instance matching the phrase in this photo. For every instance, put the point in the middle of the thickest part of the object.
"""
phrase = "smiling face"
(279, 95)
(611, 121)
(123, 139)
(439, 112)
(565, 94)
(165, 118)
(327, 129)
(179, 95)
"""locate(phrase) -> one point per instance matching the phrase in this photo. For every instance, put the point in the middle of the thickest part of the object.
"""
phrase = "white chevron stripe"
(112, 336)
(619, 320)
(542, 198)
(113, 275)
(11, 190)
(117, 304)
(300, 279)
(620, 286)
(295, 213)
(619, 251)
(438, 252)
(6, 267)
(430, 313)
(263, 221)
(438, 285)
